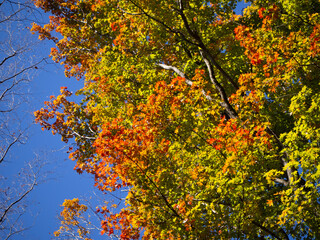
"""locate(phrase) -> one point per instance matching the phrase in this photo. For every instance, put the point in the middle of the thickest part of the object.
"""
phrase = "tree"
(17, 67)
(73, 224)
(13, 199)
(210, 120)
(17, 64)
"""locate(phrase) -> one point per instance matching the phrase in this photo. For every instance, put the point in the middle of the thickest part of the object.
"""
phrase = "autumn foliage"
(209, 120)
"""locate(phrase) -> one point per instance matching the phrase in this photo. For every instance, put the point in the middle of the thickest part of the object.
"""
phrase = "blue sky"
(58, 180)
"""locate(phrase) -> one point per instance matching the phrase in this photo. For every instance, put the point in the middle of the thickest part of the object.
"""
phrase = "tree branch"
(195, 36)
(23, 70)
(289, 170)
(281, 181)
(266, 230)
(156, 187)
(163, 24)
(230, 110)
(18, 200)
(181, 74)
(7, 58)
(8, 148)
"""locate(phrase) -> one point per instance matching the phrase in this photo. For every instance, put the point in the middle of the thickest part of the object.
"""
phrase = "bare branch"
(8, 147)
(14, 231)
(17, 201)
(7, 58)
(281, 181)
(9, 88)
(22, 71)
(84, 137)
(177, 71)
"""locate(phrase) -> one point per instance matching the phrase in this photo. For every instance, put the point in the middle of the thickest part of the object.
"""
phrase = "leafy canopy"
(208, 119)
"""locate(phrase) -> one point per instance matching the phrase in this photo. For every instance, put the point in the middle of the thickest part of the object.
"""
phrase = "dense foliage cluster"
(210, 120)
